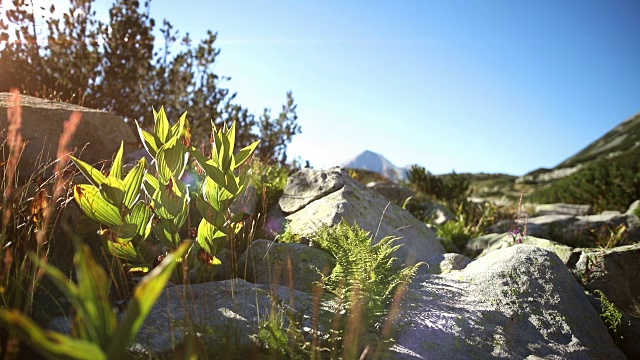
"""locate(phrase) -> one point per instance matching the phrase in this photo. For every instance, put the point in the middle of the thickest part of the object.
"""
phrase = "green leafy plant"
(611, 316)
(468, 225)
(279, 332)
(97, 331)
(127, 219)
(226, 179)
(364, 280)
(113, 201)
(451, 188)
(616, 237)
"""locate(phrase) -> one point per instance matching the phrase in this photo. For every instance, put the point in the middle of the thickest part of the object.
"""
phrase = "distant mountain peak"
(372, 161)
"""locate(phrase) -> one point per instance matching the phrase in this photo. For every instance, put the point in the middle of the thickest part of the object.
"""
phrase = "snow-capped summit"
(371, 161)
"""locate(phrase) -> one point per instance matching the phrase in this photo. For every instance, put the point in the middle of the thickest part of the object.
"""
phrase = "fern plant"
(364, 280)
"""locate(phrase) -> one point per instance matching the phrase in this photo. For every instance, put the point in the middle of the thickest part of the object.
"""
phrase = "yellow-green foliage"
(364, 272)
(611, 316)
(98, 333)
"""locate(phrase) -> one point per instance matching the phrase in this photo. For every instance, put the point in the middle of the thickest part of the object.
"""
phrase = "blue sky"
(475, 86)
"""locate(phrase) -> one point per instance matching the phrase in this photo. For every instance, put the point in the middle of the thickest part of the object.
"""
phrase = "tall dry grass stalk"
(15, 143)
(62, 178)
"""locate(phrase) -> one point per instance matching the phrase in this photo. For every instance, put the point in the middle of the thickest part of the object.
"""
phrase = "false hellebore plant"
(128, 219)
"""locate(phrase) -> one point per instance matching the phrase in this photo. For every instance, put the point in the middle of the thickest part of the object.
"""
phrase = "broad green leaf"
(216, 195)
(92, 174)
(144, 296)
(123, 250)
(171, 199)
(95, 206)
(212, 240)
(162, 129)
(171, 159)
(140, 215)
(178, 128)
(149, 141)
(209, 167)
(116, 166)
(151, 184)
(50, 344)
(231, 136)
(245, 153)
(166, 232)
(121, 233)
(91, 279)
(133, 182)
(112, 190)
(212, 215)
(217, 147)
(231, 183)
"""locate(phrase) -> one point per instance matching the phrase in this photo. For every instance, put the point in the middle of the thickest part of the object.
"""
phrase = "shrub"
(606, 185)
(472, 221)
(451, 188)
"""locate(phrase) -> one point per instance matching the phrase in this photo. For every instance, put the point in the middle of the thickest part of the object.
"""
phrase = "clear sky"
(476, 86)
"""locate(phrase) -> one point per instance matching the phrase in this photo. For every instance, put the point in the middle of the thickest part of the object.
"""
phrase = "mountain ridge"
(372, 161)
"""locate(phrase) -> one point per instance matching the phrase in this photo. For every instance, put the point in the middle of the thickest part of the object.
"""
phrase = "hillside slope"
(621, 144)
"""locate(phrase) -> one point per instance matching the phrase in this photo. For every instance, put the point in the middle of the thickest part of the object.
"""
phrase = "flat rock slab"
(225, 314)
(308, 185)
(357, 204)
(516, 303)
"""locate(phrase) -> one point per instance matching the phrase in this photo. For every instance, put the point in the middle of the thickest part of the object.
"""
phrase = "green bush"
(606, 185)
(451, 189)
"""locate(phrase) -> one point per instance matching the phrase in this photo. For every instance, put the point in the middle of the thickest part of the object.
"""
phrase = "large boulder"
(615, 272)
(224, 314)
(313, 198)
(96, 139)
(297, 266)
(483, 245)
(519, 302)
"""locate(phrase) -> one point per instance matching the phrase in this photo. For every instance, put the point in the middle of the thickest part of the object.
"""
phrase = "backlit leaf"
(95, 206)
(92, 174)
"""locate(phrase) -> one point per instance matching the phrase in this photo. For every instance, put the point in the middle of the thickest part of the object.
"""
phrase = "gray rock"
(563, 209)
(486, 244)
(96, 139)
(633, 207)
(627, 333)
(355, 203)
(396, 193)
(246, 202)
(575, 231)
(297, 266)
(445, 263)
(519, 302)
(439, 214)
(615, 272)
(308, 185)
(223, 314)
